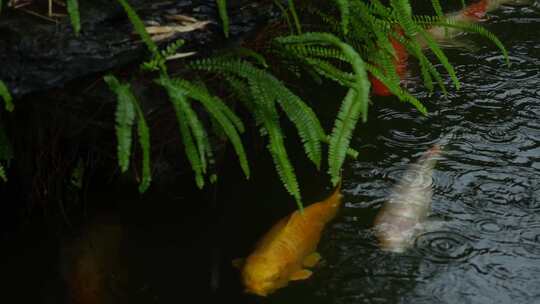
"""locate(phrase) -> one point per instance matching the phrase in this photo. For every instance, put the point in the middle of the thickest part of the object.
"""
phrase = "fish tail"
(336, 195)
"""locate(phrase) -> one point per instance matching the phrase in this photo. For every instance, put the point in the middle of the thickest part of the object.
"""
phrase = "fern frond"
(276, 144)
(343, 6)
(285, 15)
(303, 117)
(299, 113)
(292, 9)
(144, 142)
(249, 53)
(348, 115)
(436, 49)
(437, 7)
(397, 90)
(125, 116)
(329, 71)
(465, 27)
(378, 8)
(355, 104)
(222, 114)
(183, 112)
(6, 96)
(222, 8)
(361, 84)
(241, 90)
(140, 28)
(3, 176)
(74, 17)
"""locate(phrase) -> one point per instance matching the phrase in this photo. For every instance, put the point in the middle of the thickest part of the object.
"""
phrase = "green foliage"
(126, 110)
(157, 62)
(6, 152)
(6, 96)
(355, 104)
(266, 91)
(222, 8)
(294, 14)
(140, 29)
(356, 38)
(343, 6)
(73, 11)
(180, 91)
(430, 21)
(3, 176)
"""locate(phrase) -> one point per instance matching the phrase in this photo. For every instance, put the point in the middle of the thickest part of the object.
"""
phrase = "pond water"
(486, 189)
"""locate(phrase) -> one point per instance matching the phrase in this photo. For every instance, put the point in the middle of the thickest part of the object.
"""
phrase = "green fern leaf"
(140, 28)
(125, 115)
(285, 15)
(144, 142)
(223, 115)
(183, 113)
(345, 123)
(343, 6)
(435, 48)
(222, 8)
(396, 90)
(437, 7)
(276, 146)
(292, 9)
(8, 100)
(3, 176)
(74, 17)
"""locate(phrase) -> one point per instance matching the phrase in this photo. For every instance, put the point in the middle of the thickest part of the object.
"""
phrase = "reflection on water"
(487, 188)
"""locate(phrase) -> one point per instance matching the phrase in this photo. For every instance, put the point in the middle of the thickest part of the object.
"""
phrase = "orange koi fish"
(402, 217)
(284, 252)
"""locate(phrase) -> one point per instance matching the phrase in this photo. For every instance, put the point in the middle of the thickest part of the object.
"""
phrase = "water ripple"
(444, 246)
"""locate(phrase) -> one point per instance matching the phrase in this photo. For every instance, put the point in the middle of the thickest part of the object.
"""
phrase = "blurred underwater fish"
(289, 247)
(404, 215)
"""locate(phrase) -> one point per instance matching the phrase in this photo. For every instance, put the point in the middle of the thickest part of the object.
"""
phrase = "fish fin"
(301, 274)
(238, 263)
(312, 260)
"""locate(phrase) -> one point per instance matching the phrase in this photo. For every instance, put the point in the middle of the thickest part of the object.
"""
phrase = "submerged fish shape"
(288, 248)
(402, 217)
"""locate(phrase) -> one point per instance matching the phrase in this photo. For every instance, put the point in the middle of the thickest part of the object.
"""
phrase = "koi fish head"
(262, 277)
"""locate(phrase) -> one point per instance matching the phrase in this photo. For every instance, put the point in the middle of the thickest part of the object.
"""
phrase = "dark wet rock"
(36, 54)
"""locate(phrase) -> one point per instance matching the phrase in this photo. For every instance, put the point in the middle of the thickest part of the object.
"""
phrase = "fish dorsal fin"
(311, 260)
(301, 274)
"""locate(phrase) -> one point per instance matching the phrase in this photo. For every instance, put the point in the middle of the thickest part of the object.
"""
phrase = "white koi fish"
(403, 216)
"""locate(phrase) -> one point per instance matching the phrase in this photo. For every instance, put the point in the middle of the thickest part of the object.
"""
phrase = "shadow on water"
(487, 188)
